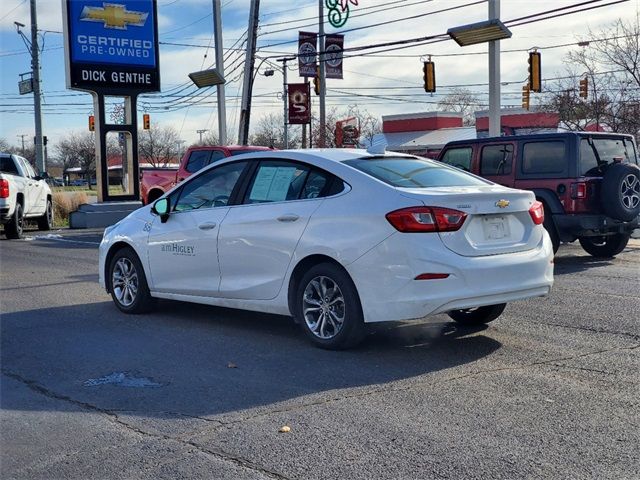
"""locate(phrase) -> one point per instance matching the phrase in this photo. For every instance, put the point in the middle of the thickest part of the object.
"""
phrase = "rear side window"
(496, 160)
(8, 166)
(277, 181)
(198, 160)
(544, 158)
(411, 172)
(458, 157)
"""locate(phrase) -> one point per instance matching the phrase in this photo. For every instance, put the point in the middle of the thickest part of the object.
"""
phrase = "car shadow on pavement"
(200, 360)
(576, 264)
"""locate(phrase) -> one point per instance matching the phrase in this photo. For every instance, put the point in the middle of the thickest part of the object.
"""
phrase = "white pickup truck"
(23, 195)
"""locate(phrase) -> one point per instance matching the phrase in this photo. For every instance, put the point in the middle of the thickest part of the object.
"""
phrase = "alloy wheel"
(124, 281)
(630, 191)
(323, 307)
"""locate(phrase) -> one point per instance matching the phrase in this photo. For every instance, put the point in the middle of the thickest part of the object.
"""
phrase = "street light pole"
(285, 96)
(323, 86)
(494, 75)
(35, 67)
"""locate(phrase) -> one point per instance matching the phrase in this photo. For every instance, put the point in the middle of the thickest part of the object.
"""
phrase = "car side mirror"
(161, 208)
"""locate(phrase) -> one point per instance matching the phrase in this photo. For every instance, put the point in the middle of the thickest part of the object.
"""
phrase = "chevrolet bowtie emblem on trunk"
(114, 16)
(502, 203)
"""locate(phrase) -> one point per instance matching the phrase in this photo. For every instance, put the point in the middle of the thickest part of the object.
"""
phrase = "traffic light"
(429, 70)
(526, 91)
(584, 87)
(146, 121)
(92, 123)
(535, 72)
(316, 82)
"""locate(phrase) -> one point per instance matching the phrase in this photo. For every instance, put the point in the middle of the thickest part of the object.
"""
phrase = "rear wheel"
(606, 246)
(13, 228)
(477, 315)
(328, 308)
(129, 288)
(550, 227)
(45, 222)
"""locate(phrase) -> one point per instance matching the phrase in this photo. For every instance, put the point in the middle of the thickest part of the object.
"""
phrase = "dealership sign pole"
(111, 49)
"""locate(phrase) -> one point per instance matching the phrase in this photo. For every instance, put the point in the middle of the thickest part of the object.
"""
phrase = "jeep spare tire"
(620, 192)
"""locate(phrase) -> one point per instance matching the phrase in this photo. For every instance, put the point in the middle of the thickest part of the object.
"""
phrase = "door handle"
(207, 226)
(288, 217)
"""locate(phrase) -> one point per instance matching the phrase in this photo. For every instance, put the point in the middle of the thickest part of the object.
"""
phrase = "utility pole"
(222, 111)
(22, 138)
(494, 75)
(204, 130)
(247, 84)
(323, 86)
(35, 65)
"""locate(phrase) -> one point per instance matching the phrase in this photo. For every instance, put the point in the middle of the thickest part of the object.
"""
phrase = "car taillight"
(426, 219)
(4, 188)
(578, 190)
(537, 213)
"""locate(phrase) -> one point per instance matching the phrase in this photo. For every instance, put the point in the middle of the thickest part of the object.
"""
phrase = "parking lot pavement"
(549, 390)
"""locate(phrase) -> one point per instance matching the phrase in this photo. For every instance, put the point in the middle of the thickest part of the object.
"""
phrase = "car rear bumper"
(385, 278)
(572, 226)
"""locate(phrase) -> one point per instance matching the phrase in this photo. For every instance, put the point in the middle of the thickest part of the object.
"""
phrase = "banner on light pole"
(333, 46)
(299, 103)
(307, 53)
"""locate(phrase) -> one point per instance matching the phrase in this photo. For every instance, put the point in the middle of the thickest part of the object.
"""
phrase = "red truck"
(155, 182)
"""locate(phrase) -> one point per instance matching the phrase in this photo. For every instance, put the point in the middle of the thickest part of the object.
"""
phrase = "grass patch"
(64, 203)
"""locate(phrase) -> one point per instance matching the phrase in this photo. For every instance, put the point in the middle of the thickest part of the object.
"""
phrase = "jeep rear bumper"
(571, 227)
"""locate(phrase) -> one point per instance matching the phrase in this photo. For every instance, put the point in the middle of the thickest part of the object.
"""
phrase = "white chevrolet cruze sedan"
(336, 238)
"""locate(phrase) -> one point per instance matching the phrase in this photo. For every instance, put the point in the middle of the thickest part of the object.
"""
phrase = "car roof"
(333, 154)
(538, 136)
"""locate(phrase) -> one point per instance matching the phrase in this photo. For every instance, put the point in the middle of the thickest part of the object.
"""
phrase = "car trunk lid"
(498, 219)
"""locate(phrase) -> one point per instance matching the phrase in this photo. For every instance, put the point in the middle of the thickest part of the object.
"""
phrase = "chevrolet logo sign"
(502, 203)
(114, 16)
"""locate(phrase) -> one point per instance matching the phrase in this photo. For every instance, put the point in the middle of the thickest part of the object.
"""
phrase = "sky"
(396, 75)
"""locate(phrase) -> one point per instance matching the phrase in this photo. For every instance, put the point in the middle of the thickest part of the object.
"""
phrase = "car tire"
(45, 222)
(605, 247)
(550, 227)
(620, 192)
(328, 308)
(14, 227)
(478, 315)
(128, 283)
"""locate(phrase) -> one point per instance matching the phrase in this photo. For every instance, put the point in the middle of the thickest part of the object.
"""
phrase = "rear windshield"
(597, 153)
(411, 172)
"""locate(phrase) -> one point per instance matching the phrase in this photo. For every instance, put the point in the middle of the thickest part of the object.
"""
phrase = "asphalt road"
(549, 390)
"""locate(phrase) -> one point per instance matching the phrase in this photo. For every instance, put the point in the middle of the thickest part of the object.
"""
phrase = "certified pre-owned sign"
(112, 46)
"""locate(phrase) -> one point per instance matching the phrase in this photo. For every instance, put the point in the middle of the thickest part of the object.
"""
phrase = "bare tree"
(463, 101)
(610, 61)
(77, 149)
(4, 145)
(270, 133)
(159, 146)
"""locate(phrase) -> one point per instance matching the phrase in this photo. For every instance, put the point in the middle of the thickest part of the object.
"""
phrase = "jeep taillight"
(537, 213)
(426, 219)
(4, 188)
(578, 190)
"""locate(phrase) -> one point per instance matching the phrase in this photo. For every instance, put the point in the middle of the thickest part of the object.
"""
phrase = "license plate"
(495, 228)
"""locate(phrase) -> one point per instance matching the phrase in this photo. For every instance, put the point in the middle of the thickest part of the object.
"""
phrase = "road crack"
(113, 416)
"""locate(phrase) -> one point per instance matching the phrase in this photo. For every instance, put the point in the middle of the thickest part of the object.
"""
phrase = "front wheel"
(478, 315)
(128, 283)
(45, 222)
(605, 247)
(328, 308)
